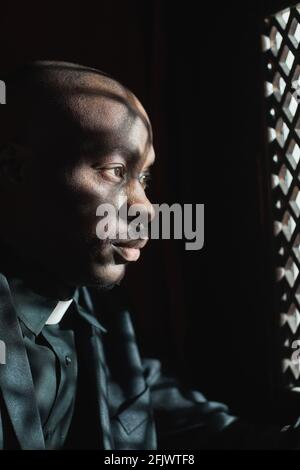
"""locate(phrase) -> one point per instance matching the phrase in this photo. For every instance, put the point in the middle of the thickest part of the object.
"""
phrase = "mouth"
(128, 250)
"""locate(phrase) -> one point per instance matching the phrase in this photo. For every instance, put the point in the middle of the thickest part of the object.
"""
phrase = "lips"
(129, 250)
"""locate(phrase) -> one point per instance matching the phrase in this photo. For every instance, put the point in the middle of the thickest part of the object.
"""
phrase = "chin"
(107, 276)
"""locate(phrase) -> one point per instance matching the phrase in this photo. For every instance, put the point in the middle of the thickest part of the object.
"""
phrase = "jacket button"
(68, 360)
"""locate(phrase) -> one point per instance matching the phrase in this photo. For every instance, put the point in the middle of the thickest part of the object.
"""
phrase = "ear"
(13, 158)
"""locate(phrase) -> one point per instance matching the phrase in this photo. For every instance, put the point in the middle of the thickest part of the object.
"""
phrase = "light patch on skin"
(98, 113)
(94, 99)
(137, 138)
(120, 200)
(107, 115)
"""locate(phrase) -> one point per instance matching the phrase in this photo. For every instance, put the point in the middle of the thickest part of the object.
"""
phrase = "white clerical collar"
(59, 312)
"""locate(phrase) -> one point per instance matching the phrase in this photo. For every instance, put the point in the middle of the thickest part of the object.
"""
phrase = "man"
(73, 139)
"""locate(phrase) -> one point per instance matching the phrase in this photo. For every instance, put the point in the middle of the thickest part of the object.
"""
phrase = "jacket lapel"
(123, 396)
(102, 391)
(129, 396)
(16, 382)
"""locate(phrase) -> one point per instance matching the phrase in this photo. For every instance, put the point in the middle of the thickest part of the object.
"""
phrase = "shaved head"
(46, 93)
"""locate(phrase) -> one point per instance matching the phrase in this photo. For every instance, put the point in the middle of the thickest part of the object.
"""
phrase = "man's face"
(99, 151)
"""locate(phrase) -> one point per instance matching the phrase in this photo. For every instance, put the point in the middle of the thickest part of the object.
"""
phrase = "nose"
(136, 197)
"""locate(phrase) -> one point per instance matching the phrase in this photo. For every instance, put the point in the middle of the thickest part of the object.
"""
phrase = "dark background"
(198, 71)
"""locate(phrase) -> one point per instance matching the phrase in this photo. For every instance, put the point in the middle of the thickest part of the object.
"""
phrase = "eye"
(113, 173)
(145, 179)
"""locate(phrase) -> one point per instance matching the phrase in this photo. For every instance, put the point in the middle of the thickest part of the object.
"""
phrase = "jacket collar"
(34, 309)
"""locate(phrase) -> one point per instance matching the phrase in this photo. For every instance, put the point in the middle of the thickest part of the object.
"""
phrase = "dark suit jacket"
(138, 406)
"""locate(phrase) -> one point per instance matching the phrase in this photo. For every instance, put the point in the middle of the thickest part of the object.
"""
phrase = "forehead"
(80, 114)
(110, 120)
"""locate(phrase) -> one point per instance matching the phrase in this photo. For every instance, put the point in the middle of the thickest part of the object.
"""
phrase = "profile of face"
(86, 141)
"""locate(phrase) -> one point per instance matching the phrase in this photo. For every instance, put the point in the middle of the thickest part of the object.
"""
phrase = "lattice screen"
(281, 44)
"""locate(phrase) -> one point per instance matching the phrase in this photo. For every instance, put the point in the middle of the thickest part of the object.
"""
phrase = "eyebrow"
(100, 149)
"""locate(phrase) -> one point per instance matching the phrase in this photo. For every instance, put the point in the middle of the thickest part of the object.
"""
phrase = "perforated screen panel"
(281, 40)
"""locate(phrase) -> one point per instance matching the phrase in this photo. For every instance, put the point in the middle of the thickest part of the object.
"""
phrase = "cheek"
(79, 195)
